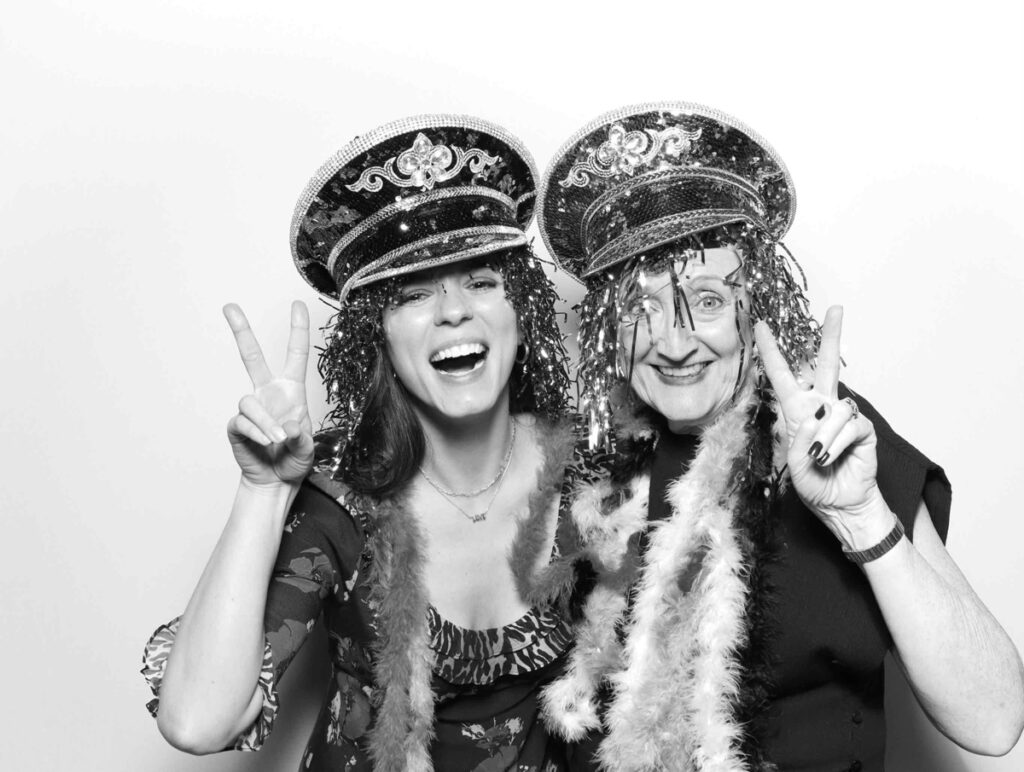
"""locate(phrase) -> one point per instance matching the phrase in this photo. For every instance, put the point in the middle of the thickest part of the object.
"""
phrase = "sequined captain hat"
(647, 175)
(412, 194)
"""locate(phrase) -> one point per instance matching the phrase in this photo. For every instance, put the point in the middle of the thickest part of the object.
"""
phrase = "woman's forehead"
(721, 262)
(717, 261)
(438, 273)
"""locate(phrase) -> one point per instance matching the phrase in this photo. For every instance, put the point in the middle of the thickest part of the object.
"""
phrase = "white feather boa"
(676, 676)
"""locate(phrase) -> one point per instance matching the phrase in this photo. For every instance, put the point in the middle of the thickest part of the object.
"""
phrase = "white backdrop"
(150, 156)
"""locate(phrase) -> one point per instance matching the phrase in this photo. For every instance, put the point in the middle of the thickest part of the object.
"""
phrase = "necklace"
(501, 473)
(496, 483)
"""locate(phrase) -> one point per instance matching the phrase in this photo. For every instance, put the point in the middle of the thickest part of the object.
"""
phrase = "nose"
(673, 339)
(452, 304)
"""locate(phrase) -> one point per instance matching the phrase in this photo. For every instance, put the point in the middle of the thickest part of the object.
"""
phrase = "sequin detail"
(626, 151)
(422, 166)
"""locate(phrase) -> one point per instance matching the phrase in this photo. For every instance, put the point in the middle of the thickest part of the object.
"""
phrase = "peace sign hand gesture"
(831, 457)
(271, 436)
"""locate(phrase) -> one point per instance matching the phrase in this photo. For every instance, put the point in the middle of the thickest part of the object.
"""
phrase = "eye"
(638, 307)
(408, 295)
(483, 281)
(635, 307)
(708, 301)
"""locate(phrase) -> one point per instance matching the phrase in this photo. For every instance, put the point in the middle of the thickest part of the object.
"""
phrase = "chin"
(471, 405)
(687, 417)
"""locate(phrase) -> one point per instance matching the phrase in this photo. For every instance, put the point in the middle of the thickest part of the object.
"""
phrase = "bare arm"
(209, 691)
(963, 667)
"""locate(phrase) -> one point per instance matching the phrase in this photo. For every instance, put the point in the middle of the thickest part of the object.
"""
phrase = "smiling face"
(452, 337)
(686, 357)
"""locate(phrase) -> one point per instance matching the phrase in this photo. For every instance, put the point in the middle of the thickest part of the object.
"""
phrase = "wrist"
(269, 489)
(877, 550)
(271, 500)
(867, 526)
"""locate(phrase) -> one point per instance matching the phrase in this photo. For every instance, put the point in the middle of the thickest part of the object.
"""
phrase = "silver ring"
(855, 411)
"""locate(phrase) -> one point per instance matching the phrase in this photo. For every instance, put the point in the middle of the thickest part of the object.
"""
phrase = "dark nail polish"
(823, 459)
(820, 413)
(814, 450)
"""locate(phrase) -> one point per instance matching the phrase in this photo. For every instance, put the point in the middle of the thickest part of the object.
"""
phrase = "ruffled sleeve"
(905, 475)
(316, 564)
(154, 661)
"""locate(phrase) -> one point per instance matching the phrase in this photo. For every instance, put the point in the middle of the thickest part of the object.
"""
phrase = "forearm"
(963, 667)
(207, 695)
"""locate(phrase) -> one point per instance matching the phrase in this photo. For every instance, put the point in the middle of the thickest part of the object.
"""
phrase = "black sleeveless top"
(828, 639)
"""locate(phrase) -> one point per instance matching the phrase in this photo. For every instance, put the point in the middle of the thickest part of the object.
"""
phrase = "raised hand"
(271, 436)
(831, 457)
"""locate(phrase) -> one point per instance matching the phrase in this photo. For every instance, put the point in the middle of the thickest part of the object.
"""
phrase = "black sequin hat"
(412, 194)
(643, 176)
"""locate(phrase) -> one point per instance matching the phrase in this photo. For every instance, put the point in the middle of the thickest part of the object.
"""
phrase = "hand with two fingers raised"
(272, 436)
(832, 455)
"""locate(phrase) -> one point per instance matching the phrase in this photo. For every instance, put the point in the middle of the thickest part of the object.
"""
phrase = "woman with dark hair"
(422, 524)
(761, 539)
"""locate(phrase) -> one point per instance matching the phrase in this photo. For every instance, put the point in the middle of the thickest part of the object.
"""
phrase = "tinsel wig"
(355, 367)
(772, 292)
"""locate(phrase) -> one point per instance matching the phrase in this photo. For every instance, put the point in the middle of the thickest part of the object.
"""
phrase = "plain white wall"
(150, 156)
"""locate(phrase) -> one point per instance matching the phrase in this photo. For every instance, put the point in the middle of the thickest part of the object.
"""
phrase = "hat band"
(434, 250)
(661, 177)
(665, 195)
(407, 208)
(663, 231)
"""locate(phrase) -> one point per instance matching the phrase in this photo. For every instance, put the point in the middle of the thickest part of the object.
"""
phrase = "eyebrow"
(728, 280)
(433, 275)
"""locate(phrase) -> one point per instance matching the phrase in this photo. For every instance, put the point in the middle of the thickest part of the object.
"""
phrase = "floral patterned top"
(485, 683)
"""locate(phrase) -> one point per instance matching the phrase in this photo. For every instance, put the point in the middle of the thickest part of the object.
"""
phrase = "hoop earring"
(525, 348)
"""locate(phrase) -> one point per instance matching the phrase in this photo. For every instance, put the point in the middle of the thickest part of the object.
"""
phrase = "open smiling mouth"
(459, 360)
(683, 372)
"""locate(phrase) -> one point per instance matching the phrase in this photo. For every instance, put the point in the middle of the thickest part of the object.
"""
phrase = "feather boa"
(404, 726)
(675, 679)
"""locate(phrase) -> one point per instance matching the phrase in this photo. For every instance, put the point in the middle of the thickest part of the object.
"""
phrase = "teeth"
(461, 350)
(680, 372)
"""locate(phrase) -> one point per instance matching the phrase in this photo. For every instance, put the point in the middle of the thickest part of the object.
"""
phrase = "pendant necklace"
(449, 495)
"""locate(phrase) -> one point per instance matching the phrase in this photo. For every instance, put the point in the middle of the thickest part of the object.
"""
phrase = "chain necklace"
(501, 473)
(495, 483)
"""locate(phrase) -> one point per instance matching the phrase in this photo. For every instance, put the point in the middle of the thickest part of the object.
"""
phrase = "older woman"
(445, 456)
(761, 540)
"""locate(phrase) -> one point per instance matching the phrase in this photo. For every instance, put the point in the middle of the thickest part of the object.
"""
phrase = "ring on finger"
(854, 410)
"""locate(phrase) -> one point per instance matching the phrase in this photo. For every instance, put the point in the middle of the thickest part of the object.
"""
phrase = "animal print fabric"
(465, 656)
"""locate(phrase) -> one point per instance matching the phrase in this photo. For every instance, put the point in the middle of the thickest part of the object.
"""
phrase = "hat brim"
(454, 248)
(722, 145)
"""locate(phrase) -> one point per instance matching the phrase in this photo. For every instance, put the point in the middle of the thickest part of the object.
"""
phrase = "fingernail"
(823, 459)
(814, 450)
(820, 413)
(279, 434)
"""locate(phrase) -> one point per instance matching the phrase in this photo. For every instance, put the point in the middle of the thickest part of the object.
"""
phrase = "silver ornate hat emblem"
(423, 166)
(624, 152)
